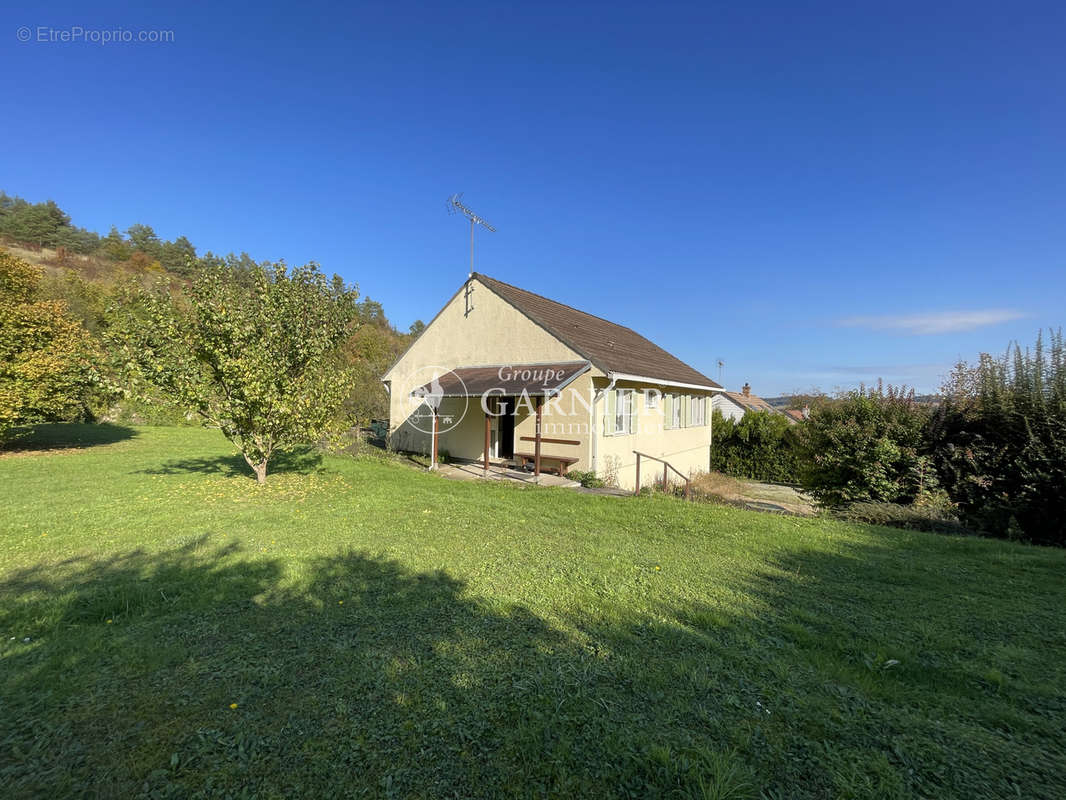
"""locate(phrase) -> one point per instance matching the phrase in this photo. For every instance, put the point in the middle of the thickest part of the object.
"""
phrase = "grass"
(360, 628)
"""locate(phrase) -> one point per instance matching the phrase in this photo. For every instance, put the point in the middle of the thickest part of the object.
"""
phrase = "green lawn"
(360, 628)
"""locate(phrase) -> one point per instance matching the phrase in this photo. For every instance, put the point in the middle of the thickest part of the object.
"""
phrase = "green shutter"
(668, 410)
(633, 403)
(608, 420)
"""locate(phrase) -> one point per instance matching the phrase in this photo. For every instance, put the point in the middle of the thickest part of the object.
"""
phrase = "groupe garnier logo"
(428, 398)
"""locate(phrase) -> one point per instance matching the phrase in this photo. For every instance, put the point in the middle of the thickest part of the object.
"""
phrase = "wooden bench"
(562, 463)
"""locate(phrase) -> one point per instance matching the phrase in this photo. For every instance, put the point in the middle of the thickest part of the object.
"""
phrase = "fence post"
(637, 490)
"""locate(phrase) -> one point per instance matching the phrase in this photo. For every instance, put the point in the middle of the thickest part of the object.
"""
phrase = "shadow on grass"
(66, 436)
(300, 461)
(207, 670)
(360, 677)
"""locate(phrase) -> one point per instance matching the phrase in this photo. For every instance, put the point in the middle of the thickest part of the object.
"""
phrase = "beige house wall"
(490, 332)
(687, 449)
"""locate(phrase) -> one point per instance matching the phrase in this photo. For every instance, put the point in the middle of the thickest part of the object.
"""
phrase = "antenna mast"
(455, 204)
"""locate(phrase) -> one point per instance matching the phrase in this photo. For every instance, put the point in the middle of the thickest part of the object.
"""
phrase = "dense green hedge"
(999, 442)
(760, 446)
(992, 452)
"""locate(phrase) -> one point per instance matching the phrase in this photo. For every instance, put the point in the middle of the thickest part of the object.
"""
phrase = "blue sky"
(818, 194)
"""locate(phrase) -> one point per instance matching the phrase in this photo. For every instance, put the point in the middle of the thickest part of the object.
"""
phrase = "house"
(735, 405)
(505, 375)
(797, 415)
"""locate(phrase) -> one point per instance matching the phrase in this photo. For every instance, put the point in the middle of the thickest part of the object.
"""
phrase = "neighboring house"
(496, 360)
(735, 405)
(796, 415)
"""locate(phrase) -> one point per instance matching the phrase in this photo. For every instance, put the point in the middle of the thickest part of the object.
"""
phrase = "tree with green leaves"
(143, 238)
(869, 446)
(36, 224)
(178, 256)
(47, 359)
(115, 246)
(256, 354)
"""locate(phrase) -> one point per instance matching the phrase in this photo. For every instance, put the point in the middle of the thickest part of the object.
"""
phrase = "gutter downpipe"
(595, 427)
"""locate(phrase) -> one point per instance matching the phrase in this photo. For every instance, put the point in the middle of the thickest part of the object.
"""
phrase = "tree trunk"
(259, 468)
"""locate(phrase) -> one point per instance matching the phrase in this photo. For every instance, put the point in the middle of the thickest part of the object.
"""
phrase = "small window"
(675, 422)
(621, 412)
(699, 411)
(621, 416)
(651, 399)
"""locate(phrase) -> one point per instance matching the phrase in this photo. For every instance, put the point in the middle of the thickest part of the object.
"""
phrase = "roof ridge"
(564, 305)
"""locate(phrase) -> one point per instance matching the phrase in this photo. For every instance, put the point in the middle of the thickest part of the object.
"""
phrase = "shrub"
(760, 446)
(866, 448)
(999, 442)
(587, 479)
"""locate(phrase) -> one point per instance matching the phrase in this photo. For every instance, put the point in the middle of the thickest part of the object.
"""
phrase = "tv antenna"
(455, 204)
(721, 366)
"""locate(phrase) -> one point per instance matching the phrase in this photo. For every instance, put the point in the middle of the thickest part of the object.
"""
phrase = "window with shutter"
(620, 412)
(698, 411)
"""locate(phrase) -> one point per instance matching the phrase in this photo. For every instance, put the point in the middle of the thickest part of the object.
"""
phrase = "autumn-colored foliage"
(46, 355)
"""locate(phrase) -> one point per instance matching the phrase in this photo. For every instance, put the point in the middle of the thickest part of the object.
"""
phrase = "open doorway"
(505, 428)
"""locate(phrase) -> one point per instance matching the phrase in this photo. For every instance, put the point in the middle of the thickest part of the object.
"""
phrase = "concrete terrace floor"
(501, 472)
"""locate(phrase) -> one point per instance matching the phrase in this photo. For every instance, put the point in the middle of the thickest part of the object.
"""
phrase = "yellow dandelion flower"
(233, 705)
(658, 568)
(340, 602)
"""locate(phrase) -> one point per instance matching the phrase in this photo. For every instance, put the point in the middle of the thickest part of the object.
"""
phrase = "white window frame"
(652, 398)
(623, 408)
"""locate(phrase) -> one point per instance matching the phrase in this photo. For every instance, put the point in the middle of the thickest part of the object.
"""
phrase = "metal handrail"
(666, 465)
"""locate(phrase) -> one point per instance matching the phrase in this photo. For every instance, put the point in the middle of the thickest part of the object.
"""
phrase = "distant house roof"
(611, 347)
(795, 414)
(749, 402)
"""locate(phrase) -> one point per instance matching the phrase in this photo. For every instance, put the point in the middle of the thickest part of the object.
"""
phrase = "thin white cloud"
(934, 322)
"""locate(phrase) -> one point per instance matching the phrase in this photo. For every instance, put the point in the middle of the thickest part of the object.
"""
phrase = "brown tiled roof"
(750, 402)
(611, 347)
(505, 380)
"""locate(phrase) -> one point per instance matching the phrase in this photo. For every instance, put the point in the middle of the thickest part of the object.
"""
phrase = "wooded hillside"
(91, 274)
